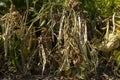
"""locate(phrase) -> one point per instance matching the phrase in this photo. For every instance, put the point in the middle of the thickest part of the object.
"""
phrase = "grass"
(60, 40)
